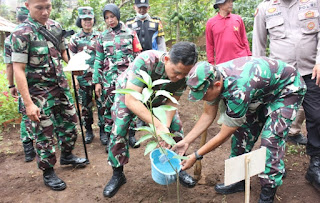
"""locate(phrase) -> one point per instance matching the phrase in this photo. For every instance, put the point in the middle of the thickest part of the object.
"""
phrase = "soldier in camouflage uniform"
(37, 50)
(159, 65)
(258, 96)
(116, 47)
(85, 40)
(26, 134)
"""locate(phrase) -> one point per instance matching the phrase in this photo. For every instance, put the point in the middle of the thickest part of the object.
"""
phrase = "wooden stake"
(247, 179)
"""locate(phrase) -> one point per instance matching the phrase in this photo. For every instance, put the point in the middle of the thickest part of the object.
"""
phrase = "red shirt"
(226, 39)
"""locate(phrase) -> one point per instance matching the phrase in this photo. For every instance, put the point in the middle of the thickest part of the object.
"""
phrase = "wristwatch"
(198, 157)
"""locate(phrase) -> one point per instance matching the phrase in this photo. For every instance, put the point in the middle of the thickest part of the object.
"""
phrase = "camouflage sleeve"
(7, 51)
(20, 44)
(73, 45)
(137, 65)
(98, 63)
(224, 118)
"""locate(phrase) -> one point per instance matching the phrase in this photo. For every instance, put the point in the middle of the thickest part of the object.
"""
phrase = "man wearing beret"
(256, 96)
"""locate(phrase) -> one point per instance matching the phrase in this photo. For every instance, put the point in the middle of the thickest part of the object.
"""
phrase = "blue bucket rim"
(164, 173)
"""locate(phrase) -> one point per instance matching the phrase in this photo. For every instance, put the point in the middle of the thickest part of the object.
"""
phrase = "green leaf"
(166, 94)
(150, 146)
(146, 77)
(159, 82)
(144, 138)
(141, 80)
(132, 92)
(168, 139)
(180, 157)
(160, 114)
(144, 128)
(146, 92)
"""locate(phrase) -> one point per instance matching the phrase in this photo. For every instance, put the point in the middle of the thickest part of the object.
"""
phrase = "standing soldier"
(151, 36)
(37, 49)
(256, 97)
(26, 134)
(85, 40)
(292, 27)
(116, 47)
(173, 66)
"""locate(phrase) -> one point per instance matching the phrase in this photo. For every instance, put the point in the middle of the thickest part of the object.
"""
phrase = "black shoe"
(132, 139)
(313, 172)
(233, 188)
(114, 184)
(267, 194)
(29, 153)
(52, 180)
(69, 158)
(89, 136)
(298, 139)
(186, 180)
(104, 137)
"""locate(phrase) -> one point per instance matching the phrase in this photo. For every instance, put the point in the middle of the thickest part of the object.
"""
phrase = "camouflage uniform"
(114, 52)
(87, 42)
(26, 133)
(260, 96)
(153, 63)
(48, 89)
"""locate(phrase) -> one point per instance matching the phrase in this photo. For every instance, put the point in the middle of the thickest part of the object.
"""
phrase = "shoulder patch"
(156, 18)
(130, 19)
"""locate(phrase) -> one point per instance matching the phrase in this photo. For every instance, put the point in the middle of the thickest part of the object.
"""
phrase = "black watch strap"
(198, 157)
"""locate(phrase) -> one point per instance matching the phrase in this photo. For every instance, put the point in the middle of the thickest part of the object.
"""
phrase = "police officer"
(85, 40)
(37, 50)
(151, 36)
(174, 66)
(26, 134)
(257, 96)
(116, 47)
(293, 30)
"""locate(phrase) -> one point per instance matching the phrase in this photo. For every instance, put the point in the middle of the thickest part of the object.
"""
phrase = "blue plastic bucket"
(161, 170)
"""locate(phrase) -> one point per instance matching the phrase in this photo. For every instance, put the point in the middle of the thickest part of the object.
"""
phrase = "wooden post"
(247, 179)
(198, 166)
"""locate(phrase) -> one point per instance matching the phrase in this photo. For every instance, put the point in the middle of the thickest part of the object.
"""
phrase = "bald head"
(39, 10)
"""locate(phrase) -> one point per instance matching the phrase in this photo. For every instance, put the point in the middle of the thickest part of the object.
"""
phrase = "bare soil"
(22, 182)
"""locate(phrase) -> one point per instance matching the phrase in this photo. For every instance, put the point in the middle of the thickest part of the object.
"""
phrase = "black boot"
(117, 180)
(104, 137)
(89, 135)
(29, 152)
(186, 180)
(69, 158)
(132, 139)
(233, 188)
(298, 139)
(313, 172)
(267, 194)
(52, 180)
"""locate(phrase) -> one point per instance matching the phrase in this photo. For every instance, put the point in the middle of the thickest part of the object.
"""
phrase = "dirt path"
(22, 182)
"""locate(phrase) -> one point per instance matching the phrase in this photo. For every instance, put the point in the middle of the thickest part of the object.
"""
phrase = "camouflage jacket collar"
(35, 23)
(84, 34)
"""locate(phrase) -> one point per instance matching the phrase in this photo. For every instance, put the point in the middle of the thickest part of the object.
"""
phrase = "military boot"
(267, 194)
(186, 180)
(104, 137)
(29, 152)
(313, 172)
(117, 180)
(132, 139)
(52, 180)
(68, 158)
(233, 188)
(89, 135)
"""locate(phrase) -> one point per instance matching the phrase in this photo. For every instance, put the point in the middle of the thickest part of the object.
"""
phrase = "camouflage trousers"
(58, 117)
(273, 129)
(107, 104)
(122, 117)
(85, 99)
(26, 133)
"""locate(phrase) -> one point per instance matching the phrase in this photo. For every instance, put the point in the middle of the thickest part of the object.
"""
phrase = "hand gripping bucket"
(161, 170)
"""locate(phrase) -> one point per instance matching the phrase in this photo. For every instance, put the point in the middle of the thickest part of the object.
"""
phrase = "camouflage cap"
(199, 79)
(21, 11)
(85, 12)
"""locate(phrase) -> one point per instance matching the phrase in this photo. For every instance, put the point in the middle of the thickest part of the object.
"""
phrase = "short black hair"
(78, 22)
(22, 18)
(184, 52)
